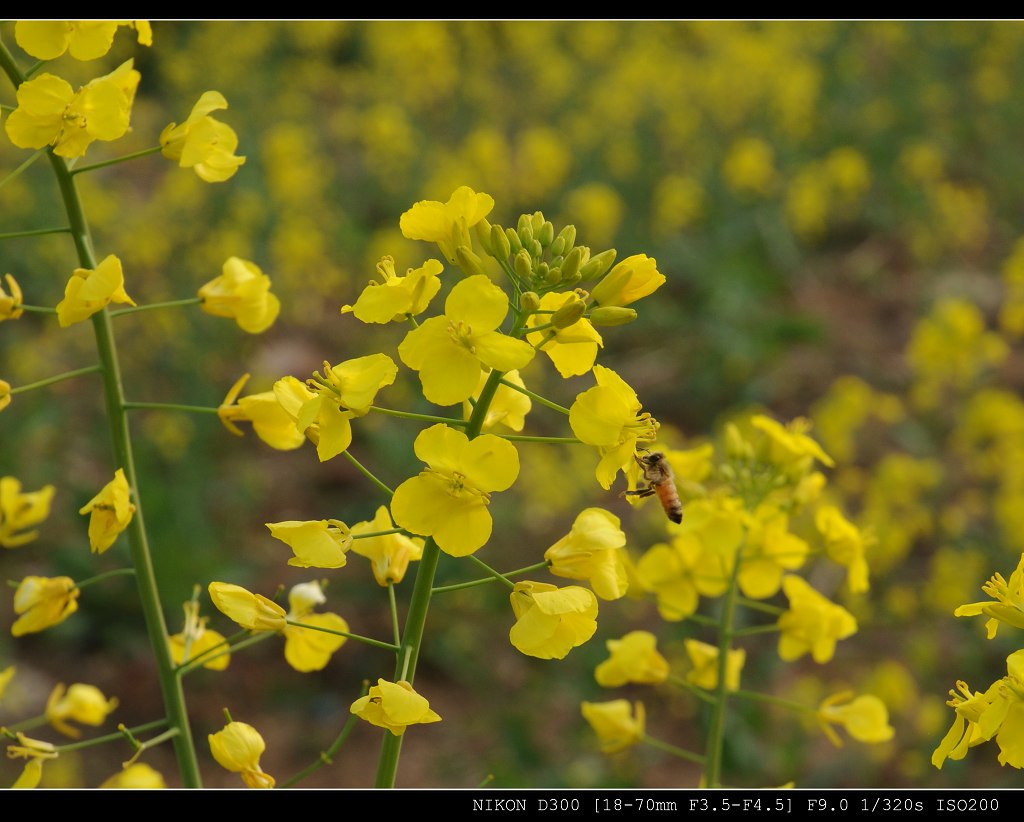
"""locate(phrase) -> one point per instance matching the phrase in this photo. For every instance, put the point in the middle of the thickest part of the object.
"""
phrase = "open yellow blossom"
(241, 292)
(90, 290)
(449, 499)
(1007, 604)
(395, 298)
(20, 512)
(573, 348)
(137, 775)
(80, 703)
(788, 446)
(51, 113)
(252, 611)
(395, 706)
(969, 707)
(10, 304)
(551, 621)
(592, 551)
(35, 751)
(110, 512)
(447, 224)
(238, 748)
(609, 417)
(630, 280)
(634, 658)
(508, 408)
(270, 421)
(865, 718)
(618, 724)
(448, 351)
(812, 624)
(196, 640)
(316, 544)
(844, 544)
(5, 394)
(82, 39)
(342, 393)
(42, 602)
(389, 554)
(769, 552)
(306, 649)
(202, 143)
(704, 658)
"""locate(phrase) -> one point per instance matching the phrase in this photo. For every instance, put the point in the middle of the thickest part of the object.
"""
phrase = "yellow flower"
(965, 733)
(90, 290)
(270, 421)
(35, 751)
(395, 706)
(630, 280)
(608, 416)
(5, 394)
(195, 640)
(389, 554)
(31, 775)
(551, 621)
(19, 512)
(449, 351)
(83, 39)
(592, 551)
(789, 446)
(241, 292)
(865, 718)
(81, 703)
(704, 659)
(508, 407)
(252, 611)
(10, 304)
(110, 512)
(51, 113)
(203, 143)
(572, 348)
(447, 224)
(448, 500)
(139, 775)
(305, 649)
(844, 544)
(812, 624)
(770, 551)
(6, 675)
(634, 658)
(43, 602)
(316, 544)
(618, 725)
(396, 298)
(238, 748)
(1007, 603)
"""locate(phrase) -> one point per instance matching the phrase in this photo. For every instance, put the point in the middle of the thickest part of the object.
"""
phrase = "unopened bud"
(571, 263)
(557, 247)
(612, 315)
(525, 229)
(569, 314)
(597, 266)
(468, 261)
(536, 221)
(551, 275)
(500, 248)
(546, 233)
(523, 265)
(540, 273)
(565, 282)
(568, 237)
(535, 249)
(513, 241)
(529, 301)
(482, 230)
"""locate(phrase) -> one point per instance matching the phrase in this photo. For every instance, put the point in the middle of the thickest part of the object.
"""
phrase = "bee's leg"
(649, 491)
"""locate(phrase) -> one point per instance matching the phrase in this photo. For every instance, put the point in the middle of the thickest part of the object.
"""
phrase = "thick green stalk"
(113, 387)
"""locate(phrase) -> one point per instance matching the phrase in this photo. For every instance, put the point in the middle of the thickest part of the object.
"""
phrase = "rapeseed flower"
(395, 706)
(10, 304)
(389, 554)
(80, 703)
(845, 544)
(271, 422)
(571, 348)
(1007, 604)
(812, 624)
(634, 658)
(865, 718)
(704, 659)
(19, 512)
(447, 224)
(110, 512)
(42, 602)
(90, 290)
(592, 551)
(252, 611)
(306, 649)
(195, 640)
(316, 544)
(618, 724)
(508, 407)
(395, 298)
(630, 280)
(238, 748)
(551, 621)
(202, 143)
(241, 292)
(137, 775)
(82, 39)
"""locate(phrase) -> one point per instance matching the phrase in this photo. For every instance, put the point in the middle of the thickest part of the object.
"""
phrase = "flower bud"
(570, 313)
(571, 263)
(535, 249)
(513, 241)
(597, 266)
(482, 230)
(529, 301)
(550, 276)
(557, 247)
(568, 237)
(525, 230)
(523, 265)
(612, 315)
(469, 262)
(10, 304)
(536, 222)
(546, 234)
(500, 248)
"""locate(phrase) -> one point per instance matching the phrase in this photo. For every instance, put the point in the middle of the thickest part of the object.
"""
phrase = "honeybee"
(658, 474)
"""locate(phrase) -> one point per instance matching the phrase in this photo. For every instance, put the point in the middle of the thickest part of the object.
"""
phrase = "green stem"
(369, 534)
(697, 691)
(27, 724)
(150, 306)
(524, 438)
(228, 647)
(690, 756)
(170, 406)
(543, 327)
(325, 757)
(764, 607)
(394, 615)
(124, 158)
(700, 619)
(489, 579)
(67, 375)
(34, 232)
(376, 643)
(37, 309)
(535, 397)
(362, 469)
(118, 572)
(424, 417)
(145, 575)
(496, 574)
(23, 166)
(754, 630)
(100, 740)
(776, 700)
